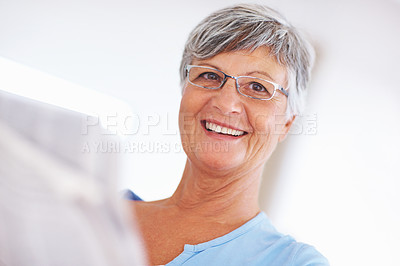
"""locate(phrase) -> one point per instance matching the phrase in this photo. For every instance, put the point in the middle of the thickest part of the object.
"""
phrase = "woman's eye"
(257, 87)
(210, 76)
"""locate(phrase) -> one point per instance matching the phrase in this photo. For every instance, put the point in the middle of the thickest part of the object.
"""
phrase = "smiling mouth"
(222, 130)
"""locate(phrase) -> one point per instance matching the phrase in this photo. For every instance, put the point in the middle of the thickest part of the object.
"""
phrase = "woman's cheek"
(262, 124)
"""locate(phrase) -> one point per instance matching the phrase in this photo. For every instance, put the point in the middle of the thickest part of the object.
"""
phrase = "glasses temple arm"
(284, 91)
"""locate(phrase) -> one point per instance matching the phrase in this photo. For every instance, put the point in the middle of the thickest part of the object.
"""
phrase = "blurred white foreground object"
(58, 200)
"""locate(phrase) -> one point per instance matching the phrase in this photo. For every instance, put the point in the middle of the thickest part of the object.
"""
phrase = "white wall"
(335, 187)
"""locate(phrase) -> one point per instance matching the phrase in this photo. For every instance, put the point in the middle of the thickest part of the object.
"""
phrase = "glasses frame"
(277, 87)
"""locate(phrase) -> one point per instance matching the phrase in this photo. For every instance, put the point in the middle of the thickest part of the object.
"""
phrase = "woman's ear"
(286, 128)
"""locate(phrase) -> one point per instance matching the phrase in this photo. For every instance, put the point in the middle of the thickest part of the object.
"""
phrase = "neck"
(225, 198)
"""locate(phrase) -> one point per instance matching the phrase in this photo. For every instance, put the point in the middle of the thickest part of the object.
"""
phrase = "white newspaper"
(59, 203)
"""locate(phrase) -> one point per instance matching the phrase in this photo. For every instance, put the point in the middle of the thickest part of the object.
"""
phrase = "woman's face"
(263, 123)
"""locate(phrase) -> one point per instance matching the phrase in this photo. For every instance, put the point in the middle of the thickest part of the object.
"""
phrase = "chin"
(218, 161)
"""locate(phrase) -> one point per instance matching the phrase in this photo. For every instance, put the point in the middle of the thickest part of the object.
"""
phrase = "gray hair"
(247, 27)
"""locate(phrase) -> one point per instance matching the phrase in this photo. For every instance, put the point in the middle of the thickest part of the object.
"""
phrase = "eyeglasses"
(211, 78)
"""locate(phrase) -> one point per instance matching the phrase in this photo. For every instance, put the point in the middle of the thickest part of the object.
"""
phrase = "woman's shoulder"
(258, 239)
(284, 249)
(308, 255)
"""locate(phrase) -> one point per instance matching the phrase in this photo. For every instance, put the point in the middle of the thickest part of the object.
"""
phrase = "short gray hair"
(247, 27)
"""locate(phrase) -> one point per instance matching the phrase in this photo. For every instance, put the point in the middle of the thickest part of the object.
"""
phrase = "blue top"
(255, 243)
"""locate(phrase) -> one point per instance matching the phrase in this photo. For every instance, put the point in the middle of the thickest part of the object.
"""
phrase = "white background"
(336, 188)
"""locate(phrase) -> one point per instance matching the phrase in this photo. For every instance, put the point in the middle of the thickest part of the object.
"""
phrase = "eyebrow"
(262, 73)
(246, 74)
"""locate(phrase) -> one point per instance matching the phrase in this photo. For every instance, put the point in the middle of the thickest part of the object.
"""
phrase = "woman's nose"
(227, 99)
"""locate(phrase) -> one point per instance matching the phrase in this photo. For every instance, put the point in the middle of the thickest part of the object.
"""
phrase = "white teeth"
(223, 130)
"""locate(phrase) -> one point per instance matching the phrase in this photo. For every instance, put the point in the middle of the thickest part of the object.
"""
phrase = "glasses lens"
(256, 88)
(206, 77)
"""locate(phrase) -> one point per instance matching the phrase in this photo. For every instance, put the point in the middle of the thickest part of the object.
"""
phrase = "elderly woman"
(244, 74)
